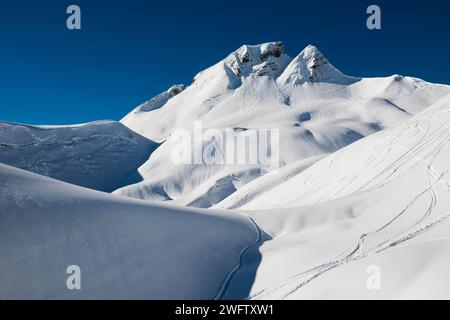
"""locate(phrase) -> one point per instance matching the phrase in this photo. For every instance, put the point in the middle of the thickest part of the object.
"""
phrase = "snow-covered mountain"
(102, 155)
(316, 108)
(363, 181)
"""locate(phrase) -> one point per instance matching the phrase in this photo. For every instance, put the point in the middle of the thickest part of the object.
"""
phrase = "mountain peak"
(260, 52)
(270, 59)
(312, 66)
(311, 53)
(314, 60)
(267, 58)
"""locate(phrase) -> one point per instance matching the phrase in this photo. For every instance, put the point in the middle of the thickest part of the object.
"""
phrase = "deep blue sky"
(128, 51)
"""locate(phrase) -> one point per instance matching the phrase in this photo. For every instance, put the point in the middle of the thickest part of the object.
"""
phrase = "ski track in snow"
(298, 281)
(321, 269)
(226, 284)
(318, 111)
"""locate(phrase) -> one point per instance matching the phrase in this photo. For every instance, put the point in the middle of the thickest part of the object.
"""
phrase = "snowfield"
(363, 184)
(382, 201)
(126, 249)
(102, 155)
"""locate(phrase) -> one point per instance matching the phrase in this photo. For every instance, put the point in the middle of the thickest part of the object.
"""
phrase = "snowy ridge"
(117, 242)
(316, 108)
(102, 155)
(363, 181)
(158, 101)
(312, 66)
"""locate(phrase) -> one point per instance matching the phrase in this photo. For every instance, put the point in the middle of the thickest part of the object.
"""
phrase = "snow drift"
(102, 155)
(126, 249)
(383, 201)
(364, 180)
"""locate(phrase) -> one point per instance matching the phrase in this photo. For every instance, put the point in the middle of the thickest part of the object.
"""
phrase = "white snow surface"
(316, 108)
(102, 155)
(364, 180)
(383, 201)
(125, 248)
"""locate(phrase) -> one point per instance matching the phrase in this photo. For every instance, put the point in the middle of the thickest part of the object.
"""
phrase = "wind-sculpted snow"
(356, 176)
(125, 248)
(101, 155)
(392, 158)
(316, 108)
(383, 201)
(265, 183)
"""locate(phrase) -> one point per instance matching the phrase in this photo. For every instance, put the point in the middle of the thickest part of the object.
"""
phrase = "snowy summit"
(362, 180)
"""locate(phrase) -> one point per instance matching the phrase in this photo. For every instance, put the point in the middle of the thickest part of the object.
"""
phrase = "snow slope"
(263, 184)
(102, 155)
(312, 186)
(364, 180)
(126, 248)
(316, 108)
(384, 201)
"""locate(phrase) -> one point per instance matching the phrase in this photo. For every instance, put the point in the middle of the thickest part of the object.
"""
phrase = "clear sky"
(130, 50)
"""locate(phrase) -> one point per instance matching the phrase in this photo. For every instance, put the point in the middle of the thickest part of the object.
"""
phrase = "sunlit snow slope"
(363, 181)
(316, 108)
(126, 248)
(383, 201)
